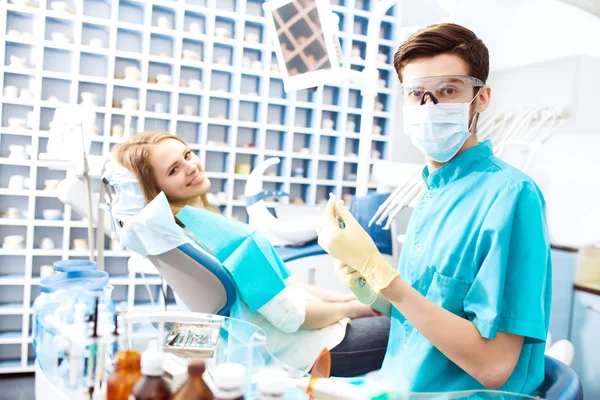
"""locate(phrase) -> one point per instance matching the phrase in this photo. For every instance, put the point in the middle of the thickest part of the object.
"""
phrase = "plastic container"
(74, 265)
(151, 386)
(194, 388)
(126, 374)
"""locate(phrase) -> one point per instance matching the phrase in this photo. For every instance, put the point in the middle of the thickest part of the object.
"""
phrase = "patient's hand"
(358, 310)
(342, 298)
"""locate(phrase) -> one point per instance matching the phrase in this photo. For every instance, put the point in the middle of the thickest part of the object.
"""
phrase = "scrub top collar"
(460, 166)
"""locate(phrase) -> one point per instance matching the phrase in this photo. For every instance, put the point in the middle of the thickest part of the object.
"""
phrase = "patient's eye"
(173, 170)
(188, 155)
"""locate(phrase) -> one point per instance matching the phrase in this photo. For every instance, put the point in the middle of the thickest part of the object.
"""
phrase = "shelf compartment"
(20, 21)
(15, 111)
(247, 138)
(194, 23)
(189, 131)
(158, 102)
(218, 136)
(46, 260)
(43, 236)
(329, 121)
(327, 170)
(219, 108)
(221, 81)
(56, 27)
(192, 50)
(97, 9)
(129, 40)
(216, 161)
(301, 168)
(328, 145)
(276, 114)
(48, 203)
(95, 36)
(157, 124)
(189, 105)
(57, 60)
(10, 357)
(191, 78)
(276, 89)
(131, 12)
(57, 89)
(93, 64)
(21, 54)
(163, 18)
(248, 111)
(11, 268)
(250, 85)
(222, 54)
(161, 45)
(299, 191)
(254, 8)
(274, 140)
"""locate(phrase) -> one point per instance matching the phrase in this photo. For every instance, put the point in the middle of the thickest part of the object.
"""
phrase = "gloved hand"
(353, 246)
(352, 279)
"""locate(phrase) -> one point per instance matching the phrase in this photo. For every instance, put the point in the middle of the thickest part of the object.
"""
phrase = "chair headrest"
(128, 198)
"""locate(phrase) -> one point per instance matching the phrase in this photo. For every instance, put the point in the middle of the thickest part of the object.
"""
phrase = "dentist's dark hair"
(445, 38)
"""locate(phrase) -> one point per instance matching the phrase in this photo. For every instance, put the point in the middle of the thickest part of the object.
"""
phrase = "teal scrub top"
(476, 245)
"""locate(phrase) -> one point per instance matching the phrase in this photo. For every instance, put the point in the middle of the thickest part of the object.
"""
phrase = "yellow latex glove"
(352, 279)
(349, 243)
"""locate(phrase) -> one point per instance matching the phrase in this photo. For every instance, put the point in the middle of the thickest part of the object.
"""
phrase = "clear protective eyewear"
(440, 89)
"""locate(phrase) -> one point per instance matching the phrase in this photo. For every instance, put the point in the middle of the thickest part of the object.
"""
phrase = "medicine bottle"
(226, 381)
(127, 372)
(271, 384)
(194, 388)
(151, 385)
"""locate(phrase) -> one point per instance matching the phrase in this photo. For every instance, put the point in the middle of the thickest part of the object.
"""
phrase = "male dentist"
(470, 300)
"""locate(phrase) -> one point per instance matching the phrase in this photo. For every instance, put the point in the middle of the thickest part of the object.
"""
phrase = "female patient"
(302, 319)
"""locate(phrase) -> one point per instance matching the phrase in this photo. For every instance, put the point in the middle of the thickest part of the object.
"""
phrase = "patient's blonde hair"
(134, 154)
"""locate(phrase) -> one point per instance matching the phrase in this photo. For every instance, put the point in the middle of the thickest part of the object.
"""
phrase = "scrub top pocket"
(448, 293)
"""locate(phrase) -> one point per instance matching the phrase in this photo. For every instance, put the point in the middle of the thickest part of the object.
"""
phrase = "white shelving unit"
(240, 115)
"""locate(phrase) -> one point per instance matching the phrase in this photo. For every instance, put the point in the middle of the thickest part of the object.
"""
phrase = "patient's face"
(178, 171)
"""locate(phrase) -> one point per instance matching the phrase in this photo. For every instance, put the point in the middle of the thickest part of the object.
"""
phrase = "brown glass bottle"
(151, 386)
(127, 372)
(194, 388)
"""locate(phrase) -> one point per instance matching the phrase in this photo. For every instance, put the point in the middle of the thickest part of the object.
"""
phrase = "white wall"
(518, 33)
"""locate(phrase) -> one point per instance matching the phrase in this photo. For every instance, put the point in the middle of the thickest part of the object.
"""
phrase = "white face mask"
(438, 130)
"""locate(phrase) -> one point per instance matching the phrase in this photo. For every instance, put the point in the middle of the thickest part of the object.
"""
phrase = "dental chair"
(199, 281)
(183, 268)
(560, 382)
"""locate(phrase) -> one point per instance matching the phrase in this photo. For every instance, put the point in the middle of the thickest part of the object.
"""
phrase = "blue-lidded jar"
(89, 280)
(74, 265)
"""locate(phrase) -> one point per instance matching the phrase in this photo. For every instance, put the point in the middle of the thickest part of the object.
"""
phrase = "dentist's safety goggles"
(441, 89)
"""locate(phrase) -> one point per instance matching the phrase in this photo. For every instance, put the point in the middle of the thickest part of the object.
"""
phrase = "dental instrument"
(93, 354)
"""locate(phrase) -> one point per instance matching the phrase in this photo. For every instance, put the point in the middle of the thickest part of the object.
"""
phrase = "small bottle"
(194, 388)
(226, 381)
(127, 372)
(151, 385)
(271, 384)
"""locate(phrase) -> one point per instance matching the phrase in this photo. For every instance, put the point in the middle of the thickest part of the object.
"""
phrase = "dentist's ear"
(483, 99)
